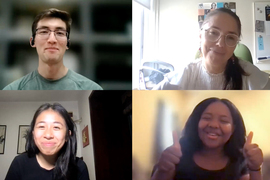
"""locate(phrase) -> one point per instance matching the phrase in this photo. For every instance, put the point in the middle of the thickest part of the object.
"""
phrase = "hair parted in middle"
(191, 142)
(65, 166)
(233, 71)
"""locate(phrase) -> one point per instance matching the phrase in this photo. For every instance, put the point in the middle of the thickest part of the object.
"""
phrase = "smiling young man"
(50, 37)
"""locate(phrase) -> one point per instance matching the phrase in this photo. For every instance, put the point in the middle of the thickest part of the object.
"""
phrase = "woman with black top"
(213, 147)
(51, 148)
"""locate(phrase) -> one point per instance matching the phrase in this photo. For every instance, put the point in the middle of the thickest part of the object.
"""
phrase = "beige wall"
(253, 105)
(179, 30)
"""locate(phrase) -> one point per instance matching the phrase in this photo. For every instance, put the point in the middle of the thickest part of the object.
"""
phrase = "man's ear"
(32, 42)
(68, 44)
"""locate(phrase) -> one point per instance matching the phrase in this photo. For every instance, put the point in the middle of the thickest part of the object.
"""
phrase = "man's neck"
(52, 71)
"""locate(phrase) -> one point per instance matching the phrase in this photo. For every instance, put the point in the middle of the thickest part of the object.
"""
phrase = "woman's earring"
(233, 59)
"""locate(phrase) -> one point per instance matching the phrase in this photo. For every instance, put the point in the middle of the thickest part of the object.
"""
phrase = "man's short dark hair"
(52, 13)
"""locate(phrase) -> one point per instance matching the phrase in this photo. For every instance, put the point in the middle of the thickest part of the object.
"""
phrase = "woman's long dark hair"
(191, 142)
(233, 71)
(65, 166)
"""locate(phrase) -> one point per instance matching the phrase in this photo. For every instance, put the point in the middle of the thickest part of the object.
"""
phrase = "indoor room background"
(107, 115)
(157, 113)
(18, 108)
(100, 40)
(169, 31)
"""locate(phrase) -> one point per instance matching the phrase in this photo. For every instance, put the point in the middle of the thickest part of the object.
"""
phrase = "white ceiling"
(29, 96)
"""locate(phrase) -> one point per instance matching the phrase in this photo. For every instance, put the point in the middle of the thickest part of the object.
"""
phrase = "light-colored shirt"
(195, 77)
(71, 81)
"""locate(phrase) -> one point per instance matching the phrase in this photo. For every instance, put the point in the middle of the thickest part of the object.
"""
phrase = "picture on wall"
(85, 136)
(205, 8)
(3, 129)
(23, 129)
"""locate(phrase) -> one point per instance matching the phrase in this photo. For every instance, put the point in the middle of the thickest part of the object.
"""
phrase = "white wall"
(88, 151)
(179, 30)
(14, 114)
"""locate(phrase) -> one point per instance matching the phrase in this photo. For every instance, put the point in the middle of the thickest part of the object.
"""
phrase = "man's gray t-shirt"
(71, 81)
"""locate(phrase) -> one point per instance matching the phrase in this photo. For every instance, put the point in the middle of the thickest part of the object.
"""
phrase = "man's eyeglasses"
(214, 35)
(45, 33)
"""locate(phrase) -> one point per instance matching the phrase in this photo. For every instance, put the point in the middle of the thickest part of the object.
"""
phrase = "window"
(144, 35)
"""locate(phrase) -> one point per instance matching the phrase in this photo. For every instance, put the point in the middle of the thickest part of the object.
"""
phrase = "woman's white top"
(196, 77)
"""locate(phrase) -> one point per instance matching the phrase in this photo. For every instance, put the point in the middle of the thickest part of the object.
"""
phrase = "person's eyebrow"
(46, 27)
(60, 28)
(230, 32)
(43, 27)
(55, 122)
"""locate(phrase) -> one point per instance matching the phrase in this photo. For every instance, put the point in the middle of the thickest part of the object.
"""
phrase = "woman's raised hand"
(168, 160)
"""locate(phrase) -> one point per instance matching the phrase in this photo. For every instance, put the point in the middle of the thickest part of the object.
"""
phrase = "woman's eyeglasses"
(214, 35)
(45, 33)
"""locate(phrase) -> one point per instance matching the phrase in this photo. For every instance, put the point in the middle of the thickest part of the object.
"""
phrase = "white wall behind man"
(179, 30)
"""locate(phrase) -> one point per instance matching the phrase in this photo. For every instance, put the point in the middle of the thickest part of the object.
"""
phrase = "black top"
(187, 169)
(25, 168)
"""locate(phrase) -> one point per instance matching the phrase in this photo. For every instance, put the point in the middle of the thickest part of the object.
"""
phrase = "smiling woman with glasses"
(218, 68)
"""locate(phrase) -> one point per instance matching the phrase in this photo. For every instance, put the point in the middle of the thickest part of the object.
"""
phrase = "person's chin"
(49, 151)
(52, 59)
(217, 58)
(212, 145)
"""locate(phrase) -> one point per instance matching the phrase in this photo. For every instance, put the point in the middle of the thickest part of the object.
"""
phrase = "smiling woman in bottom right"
(213, 146)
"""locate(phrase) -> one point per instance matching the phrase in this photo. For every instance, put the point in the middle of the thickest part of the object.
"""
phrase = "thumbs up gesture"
(169, 158)
(252, 153)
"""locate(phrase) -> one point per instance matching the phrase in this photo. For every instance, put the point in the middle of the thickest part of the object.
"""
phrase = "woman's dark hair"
(191, 142)
(65, 166)
(233, 71)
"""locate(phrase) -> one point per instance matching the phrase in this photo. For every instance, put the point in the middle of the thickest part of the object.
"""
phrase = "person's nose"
(48, 133)
(214, 123)
(52, 37)
(221, 41)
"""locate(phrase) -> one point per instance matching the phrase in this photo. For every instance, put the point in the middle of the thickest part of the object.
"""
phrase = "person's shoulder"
(22, 158)
(83, 82)
(21, 82)
(195, 63)
(193, 66)
(82, 168)
(80, 163)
